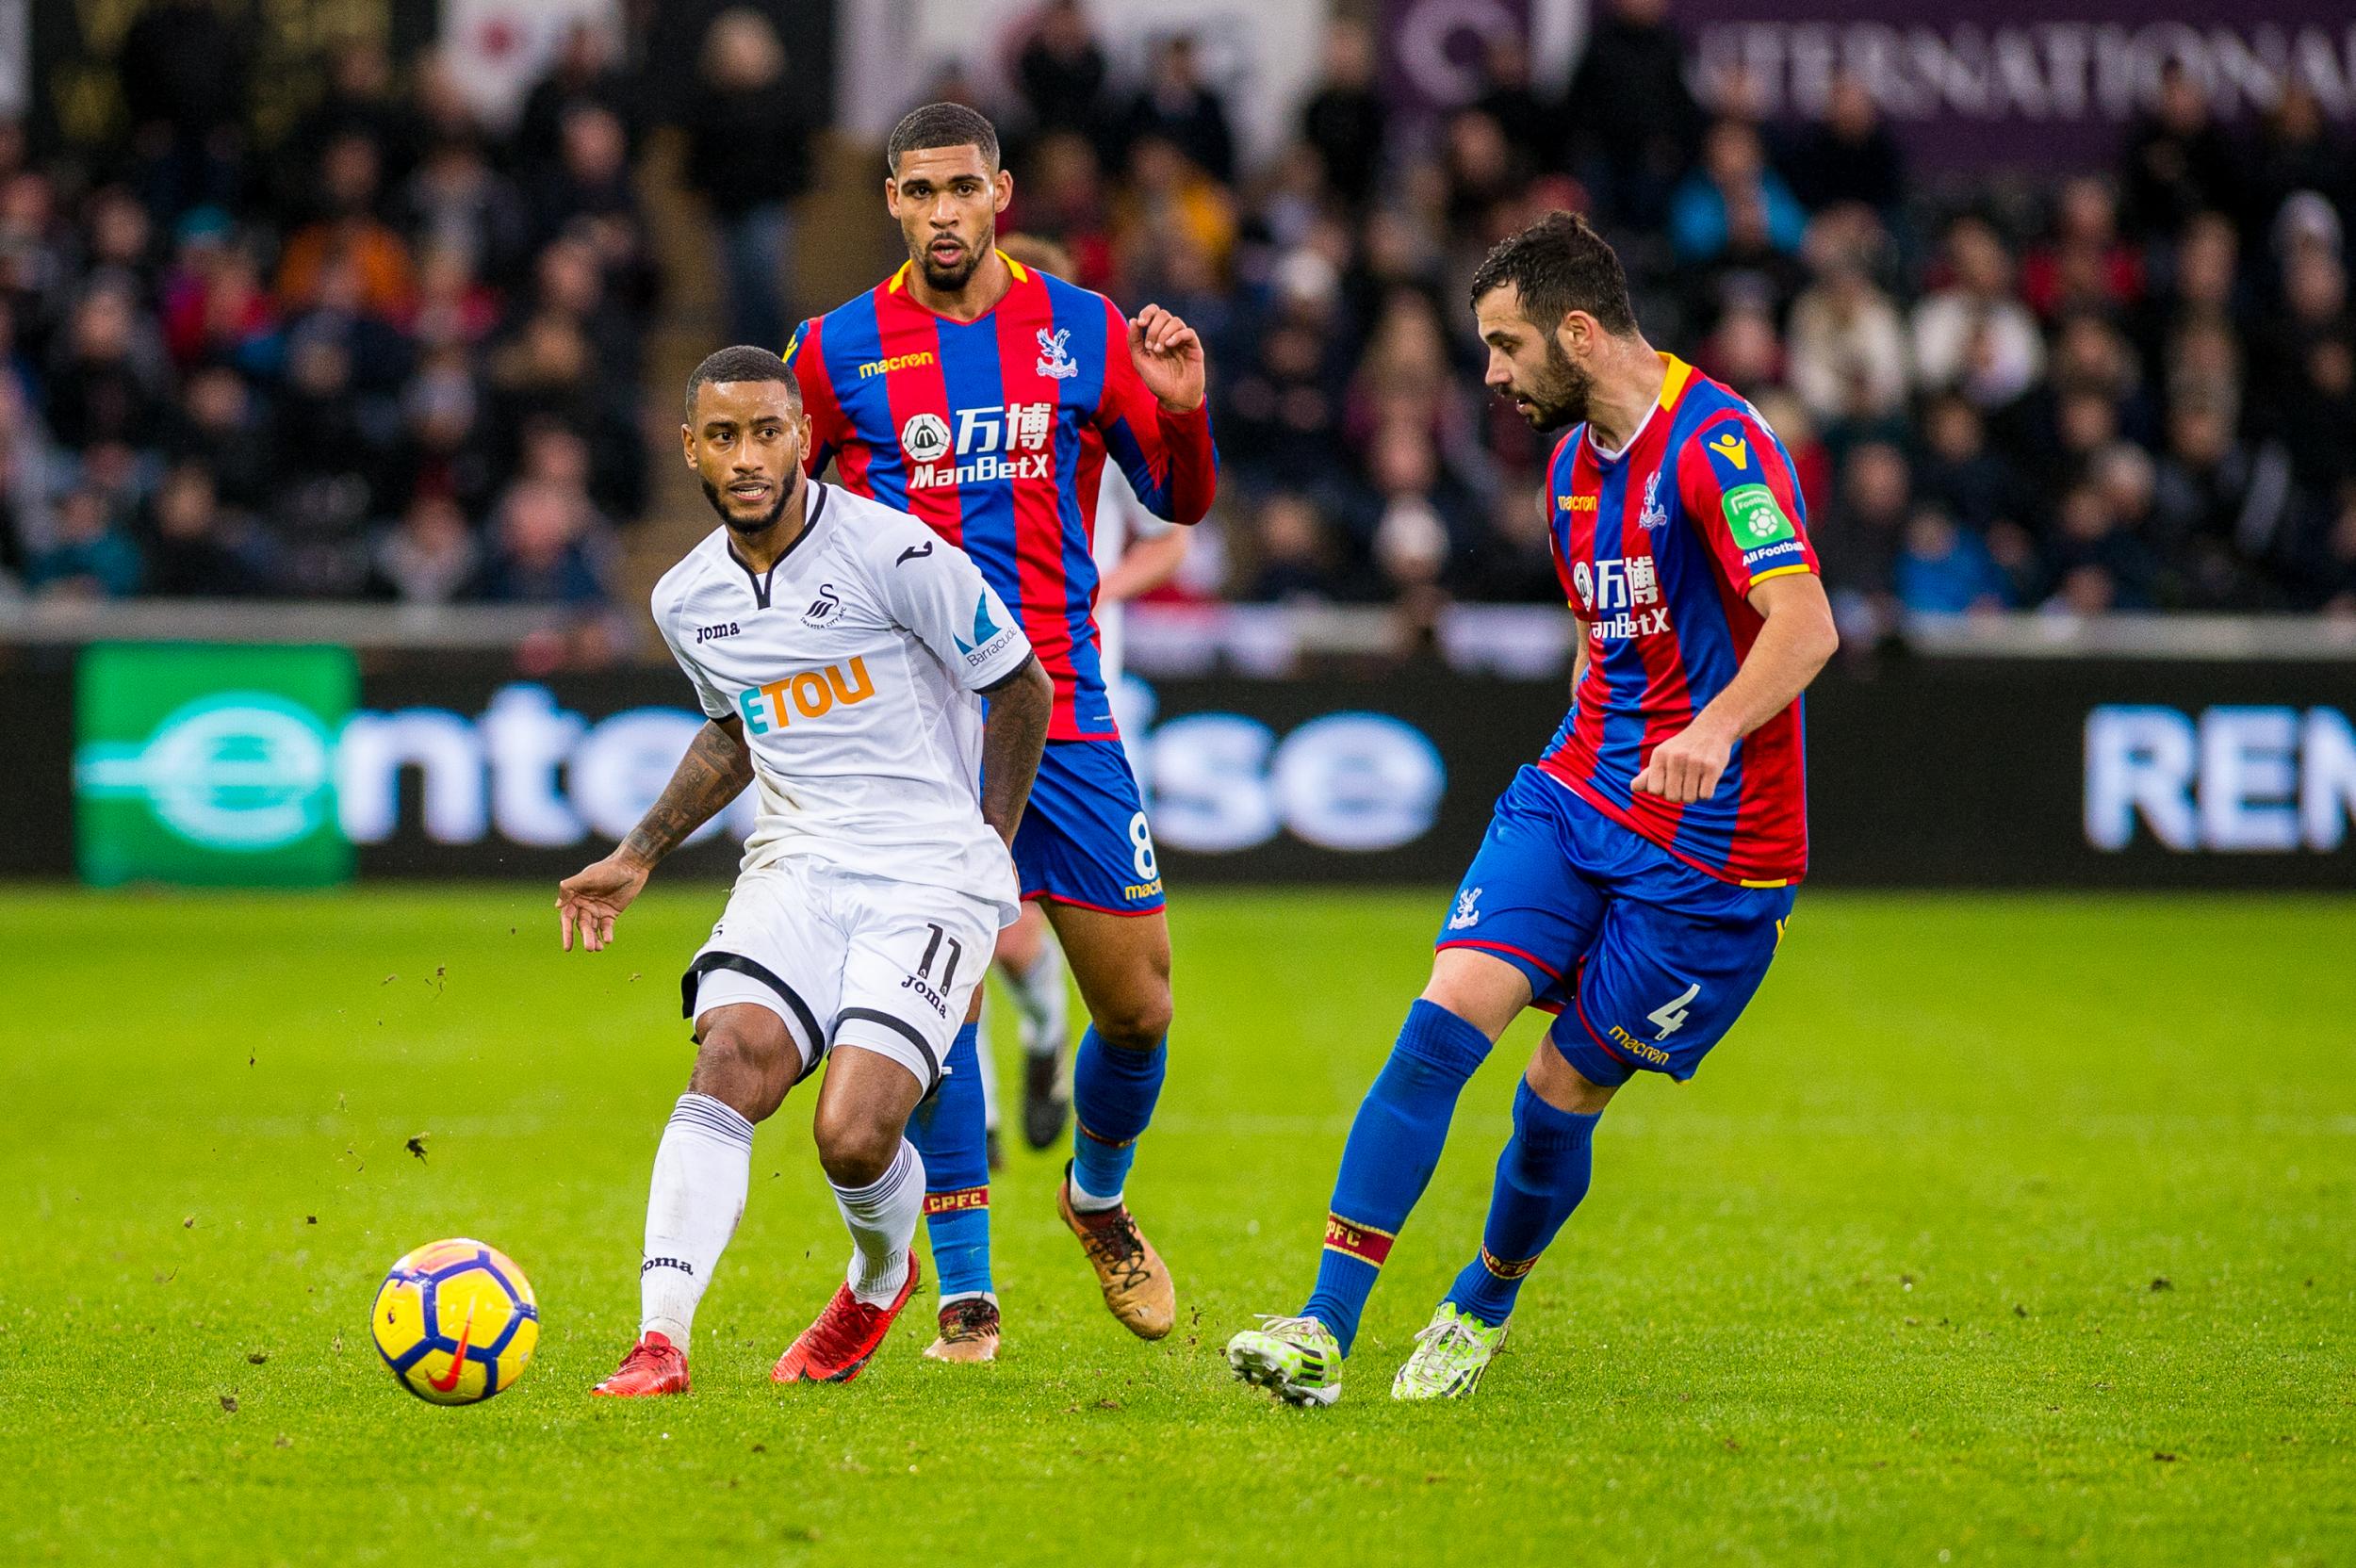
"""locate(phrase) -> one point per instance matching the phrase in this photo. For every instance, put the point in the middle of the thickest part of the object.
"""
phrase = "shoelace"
(1450, 1336)
(1270, 1323)
(969, 1320)
(1115, 1241)
(641, 1354)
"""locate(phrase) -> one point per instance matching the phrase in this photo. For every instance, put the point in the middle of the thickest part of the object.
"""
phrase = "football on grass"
(456, 1322)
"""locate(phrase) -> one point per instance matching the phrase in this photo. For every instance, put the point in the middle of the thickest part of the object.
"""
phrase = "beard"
(760, 522)
(1557, 395)
(950, 279)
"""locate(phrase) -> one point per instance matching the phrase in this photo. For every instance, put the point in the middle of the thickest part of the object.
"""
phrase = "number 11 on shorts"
(932, 950)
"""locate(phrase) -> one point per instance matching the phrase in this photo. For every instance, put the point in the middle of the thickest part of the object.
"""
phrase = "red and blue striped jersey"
(1657, 548)
(995, 432)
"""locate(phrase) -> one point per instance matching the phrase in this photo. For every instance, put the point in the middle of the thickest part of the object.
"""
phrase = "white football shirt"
(855, 663)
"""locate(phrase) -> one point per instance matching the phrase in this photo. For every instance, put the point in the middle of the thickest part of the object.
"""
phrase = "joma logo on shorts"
(810, 692)
(924, 989)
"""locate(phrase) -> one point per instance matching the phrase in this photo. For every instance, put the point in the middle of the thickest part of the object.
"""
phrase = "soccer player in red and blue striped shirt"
(986, 397)
(1636, 880)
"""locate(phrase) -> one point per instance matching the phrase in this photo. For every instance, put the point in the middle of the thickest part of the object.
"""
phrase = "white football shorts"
(847, 959)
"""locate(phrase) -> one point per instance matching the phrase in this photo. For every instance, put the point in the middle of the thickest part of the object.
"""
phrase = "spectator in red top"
(2084, 265)
(213, 304)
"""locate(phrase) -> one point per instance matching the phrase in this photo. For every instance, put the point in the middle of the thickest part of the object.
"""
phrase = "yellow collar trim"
(1679, 375)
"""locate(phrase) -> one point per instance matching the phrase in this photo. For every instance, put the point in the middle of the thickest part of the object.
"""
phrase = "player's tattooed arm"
(715, 770)
(1013, 736)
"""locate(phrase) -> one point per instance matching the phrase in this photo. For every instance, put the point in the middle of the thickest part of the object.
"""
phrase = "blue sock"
(1394, 1146)
(948, 1130)
(1541, 1177)
(1112, 1099)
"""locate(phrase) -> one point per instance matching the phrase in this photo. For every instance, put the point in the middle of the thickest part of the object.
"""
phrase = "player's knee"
(747, 1069)
(854, 1149)
(1138, 1021)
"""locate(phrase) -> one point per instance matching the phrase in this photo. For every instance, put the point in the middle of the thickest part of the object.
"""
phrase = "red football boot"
(835, 1348)
(654, 1365)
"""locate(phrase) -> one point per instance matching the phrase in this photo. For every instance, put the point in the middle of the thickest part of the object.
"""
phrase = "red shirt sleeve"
(1744, 500)
(808, 360)
(1169, 458)
(1551, 505)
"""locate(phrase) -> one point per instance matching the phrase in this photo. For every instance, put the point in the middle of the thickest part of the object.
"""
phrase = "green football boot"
(1297, 1358)
(1451, 1352)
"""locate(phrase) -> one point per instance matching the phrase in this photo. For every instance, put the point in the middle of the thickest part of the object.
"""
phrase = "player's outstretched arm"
(715, 771)
(1014, 734)
(1797, 638)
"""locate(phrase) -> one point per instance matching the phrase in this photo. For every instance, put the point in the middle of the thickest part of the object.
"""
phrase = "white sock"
(1040, 996)
(987, 1061)
(882, 1217)
(701, 1169)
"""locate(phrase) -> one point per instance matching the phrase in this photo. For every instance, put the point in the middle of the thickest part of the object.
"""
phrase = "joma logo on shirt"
(706, 633)
(808, 692)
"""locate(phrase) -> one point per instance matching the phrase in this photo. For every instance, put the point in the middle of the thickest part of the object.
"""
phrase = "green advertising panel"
(210, 765)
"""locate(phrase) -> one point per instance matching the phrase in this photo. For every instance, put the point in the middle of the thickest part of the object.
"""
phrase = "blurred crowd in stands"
(2128, 390)
(401, 357)
(394, 356)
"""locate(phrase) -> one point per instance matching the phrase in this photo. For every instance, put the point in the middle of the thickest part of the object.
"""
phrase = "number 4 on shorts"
(1670, 1016)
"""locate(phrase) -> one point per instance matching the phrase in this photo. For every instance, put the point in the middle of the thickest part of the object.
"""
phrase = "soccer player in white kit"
(841, 650)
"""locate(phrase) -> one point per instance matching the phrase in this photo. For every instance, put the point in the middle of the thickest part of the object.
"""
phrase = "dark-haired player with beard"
(841, 654)
(1636, 880)
(986, 397)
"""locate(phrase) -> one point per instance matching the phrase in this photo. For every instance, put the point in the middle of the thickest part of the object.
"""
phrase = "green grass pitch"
(2003, 1230)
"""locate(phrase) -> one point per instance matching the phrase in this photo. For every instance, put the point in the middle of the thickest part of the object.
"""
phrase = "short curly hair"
(1557, 265)
(742, 362)
(942, 125)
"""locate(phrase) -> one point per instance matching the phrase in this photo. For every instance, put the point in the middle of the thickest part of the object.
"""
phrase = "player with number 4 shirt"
(985, 398)
(1636, 880)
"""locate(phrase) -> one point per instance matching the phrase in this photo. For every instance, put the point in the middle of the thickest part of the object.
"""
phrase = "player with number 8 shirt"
(985, 398)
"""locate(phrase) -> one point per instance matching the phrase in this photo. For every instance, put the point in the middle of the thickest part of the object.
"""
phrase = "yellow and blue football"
(456, 1321)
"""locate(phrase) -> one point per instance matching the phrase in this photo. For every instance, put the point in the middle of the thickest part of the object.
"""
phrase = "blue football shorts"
(1084, 838)
(1647, 960)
